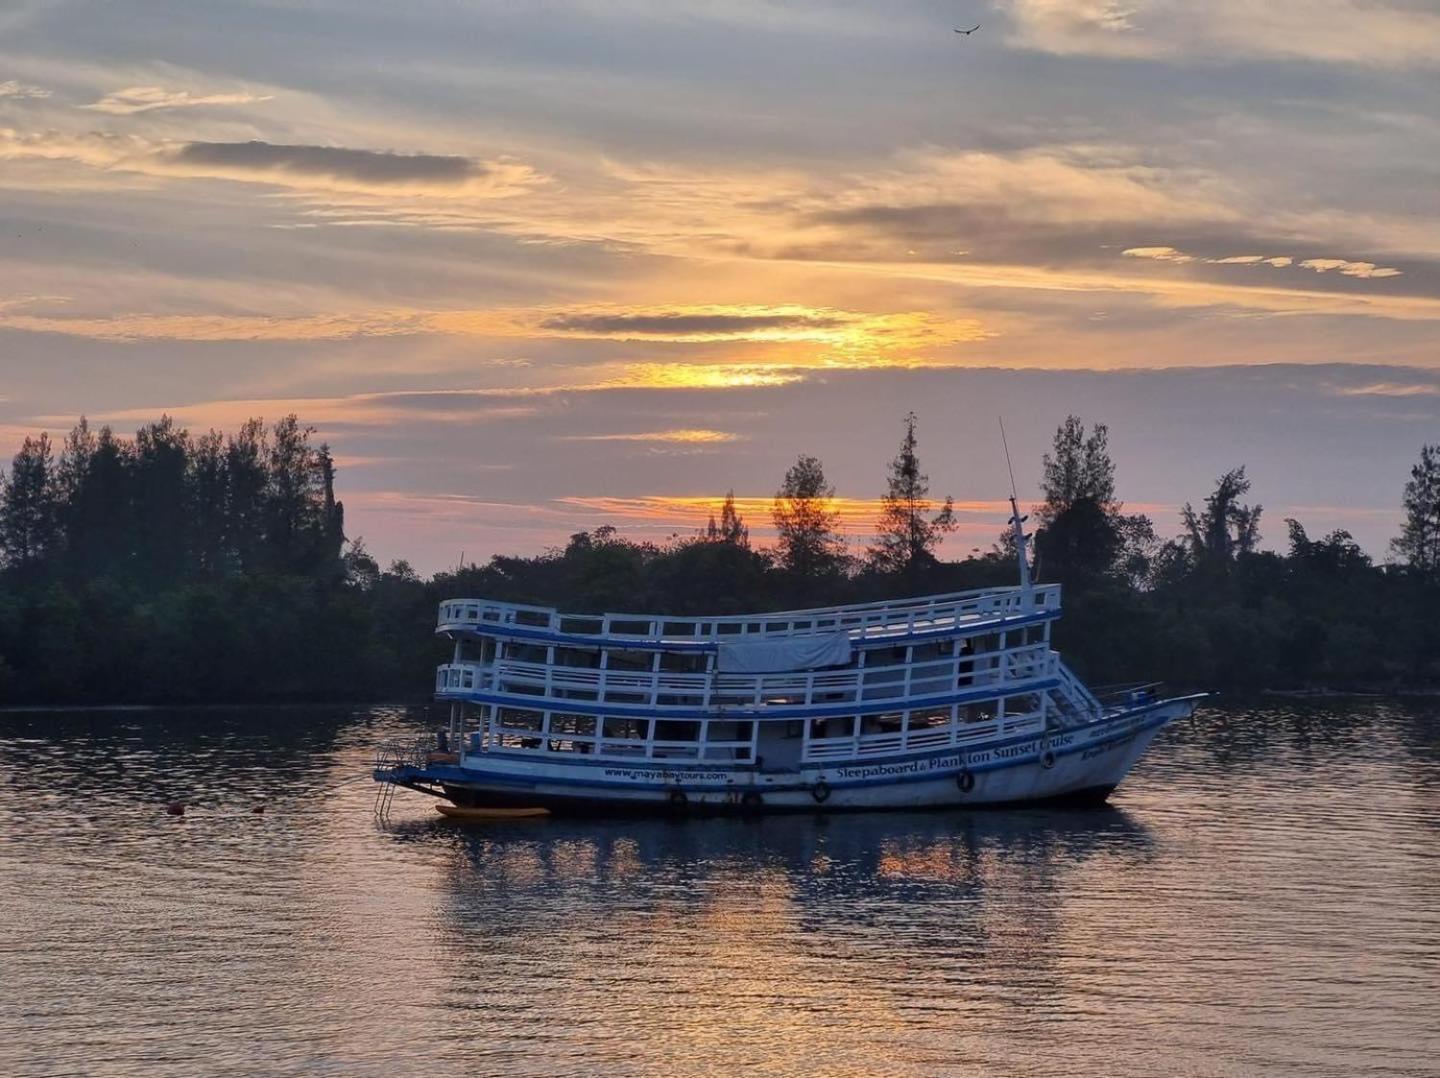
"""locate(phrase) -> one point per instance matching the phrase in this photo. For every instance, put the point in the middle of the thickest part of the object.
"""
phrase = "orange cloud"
(684, 435)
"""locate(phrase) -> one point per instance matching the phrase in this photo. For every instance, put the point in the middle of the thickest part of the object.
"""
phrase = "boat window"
(525, 653)
(935, 716)
(682, 662)
(564, 722)
(517, 718)
(630, 628)
(582, 626)
(584, 658)
(629, 729)
(676, 730)
(1024, 704)
(629, 660)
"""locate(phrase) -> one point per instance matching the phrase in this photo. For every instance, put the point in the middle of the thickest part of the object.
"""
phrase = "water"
(1263, 898)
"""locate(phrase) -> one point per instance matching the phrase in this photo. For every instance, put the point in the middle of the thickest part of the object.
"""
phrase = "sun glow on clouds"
(848, 338)
(1319, 265)
(148, 98)
(686, 436)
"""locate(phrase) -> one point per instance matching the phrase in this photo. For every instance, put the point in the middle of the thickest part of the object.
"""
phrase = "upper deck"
(886, 622)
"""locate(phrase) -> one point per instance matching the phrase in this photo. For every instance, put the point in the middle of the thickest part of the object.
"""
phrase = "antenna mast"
(1017, 522)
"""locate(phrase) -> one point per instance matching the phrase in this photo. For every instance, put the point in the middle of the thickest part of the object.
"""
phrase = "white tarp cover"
(783, 653)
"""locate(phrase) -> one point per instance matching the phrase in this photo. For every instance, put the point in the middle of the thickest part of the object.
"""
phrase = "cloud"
(1349, 269)
(147, 98)
(1159, 254)
(687, 436)
(364, 169)
(1390, 389)
(1379, 33)
(1319, 265)
(672, 325)
(305, 168)
(12, 88)
(847, 338)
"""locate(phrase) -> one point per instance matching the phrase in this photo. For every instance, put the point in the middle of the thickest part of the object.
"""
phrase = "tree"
(1078, 469)
(731, 528)
(245, 489)
(28, 511)
(1084, 536)
(1418, 544)
(809, 545)
(96, 513)
(1225, 528)
(161, 510)
(907, 533)
(206, 482)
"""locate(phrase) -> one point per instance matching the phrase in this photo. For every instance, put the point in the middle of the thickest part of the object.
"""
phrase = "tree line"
(178, 567)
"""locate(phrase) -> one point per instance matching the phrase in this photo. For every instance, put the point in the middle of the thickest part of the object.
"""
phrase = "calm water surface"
(1262, 899)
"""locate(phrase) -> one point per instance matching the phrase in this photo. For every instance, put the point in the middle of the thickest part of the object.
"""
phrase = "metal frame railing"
(687, 692)
(863, 621)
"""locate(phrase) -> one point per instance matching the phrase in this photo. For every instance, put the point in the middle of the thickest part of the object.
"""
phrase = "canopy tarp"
(783, 654)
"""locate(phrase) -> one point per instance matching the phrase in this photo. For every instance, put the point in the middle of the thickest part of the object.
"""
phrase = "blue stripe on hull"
(466, 777)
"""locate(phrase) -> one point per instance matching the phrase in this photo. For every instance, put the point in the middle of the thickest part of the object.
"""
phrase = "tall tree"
(1084, 535)
(245, 488)
(909, 530)
(1418, 544)
(1225, 528)
(29, 533)
(1078, 469)
(97, 516)
(206, 483)
(731, 528)
(161, 509)
(809, 545)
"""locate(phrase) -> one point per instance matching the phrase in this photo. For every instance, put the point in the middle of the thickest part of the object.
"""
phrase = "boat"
(936, 702)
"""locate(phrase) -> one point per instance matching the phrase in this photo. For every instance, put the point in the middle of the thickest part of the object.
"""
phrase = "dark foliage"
(179, 568)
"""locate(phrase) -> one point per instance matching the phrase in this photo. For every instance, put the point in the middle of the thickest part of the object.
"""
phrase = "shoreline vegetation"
(179, 569)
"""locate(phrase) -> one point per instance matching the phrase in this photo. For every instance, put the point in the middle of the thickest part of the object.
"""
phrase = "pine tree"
(809, 545)
(1078, 469)
(1418, 543)
(731, 528)
(161, 509)
(907, 534)
(29, 534)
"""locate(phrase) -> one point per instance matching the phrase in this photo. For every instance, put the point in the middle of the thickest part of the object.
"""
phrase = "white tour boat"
(933, 702)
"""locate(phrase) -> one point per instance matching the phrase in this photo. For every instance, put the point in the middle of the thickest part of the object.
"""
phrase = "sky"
(530, 268)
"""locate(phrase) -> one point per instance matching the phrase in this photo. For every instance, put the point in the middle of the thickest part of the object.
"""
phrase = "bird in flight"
(970, 31)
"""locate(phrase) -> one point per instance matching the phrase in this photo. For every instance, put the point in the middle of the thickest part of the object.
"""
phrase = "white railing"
(662, 691)
(956, 733)
(863, 621)
(1077, 704)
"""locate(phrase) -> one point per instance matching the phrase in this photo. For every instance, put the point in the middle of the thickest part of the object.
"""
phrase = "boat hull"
(1080, 765)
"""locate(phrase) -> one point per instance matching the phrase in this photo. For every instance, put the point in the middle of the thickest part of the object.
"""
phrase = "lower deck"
(1028, 767)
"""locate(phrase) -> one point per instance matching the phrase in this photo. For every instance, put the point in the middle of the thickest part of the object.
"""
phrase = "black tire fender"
(678, 799)
(820, 792)
(965, 780)
(1047, 759)
(751, 799)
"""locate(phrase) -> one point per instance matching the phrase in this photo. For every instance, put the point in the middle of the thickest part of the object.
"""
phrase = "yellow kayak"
(458, 812)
